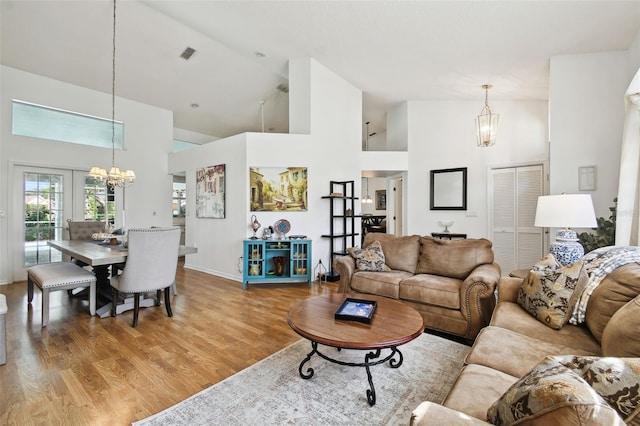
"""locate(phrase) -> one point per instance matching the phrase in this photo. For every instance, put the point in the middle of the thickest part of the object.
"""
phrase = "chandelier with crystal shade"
(486, 122)
(115, 177)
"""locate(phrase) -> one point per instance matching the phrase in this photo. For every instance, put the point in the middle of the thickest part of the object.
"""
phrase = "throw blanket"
(598, 264)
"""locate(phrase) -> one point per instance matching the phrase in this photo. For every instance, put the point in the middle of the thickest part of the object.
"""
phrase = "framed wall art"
(449, 189)
(210, 192)
(278, 189)
(381, 199)
(587, 178)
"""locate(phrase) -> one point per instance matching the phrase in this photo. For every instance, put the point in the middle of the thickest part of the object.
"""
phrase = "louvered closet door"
(517, 244)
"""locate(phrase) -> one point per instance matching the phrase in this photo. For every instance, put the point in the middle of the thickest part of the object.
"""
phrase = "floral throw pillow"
(608, 385)
(549, 292)
(370, 258)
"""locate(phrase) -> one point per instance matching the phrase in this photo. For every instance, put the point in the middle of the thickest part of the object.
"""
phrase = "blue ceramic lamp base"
(566, 248)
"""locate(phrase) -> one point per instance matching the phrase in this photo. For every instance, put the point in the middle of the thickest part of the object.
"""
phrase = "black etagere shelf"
(342, 222)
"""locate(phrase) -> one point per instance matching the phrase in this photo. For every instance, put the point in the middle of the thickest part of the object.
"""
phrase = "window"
(42, 122)
(179, 145)
(179, 199)
(97, 196)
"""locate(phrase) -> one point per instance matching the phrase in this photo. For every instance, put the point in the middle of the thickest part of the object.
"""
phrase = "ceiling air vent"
(188, 52)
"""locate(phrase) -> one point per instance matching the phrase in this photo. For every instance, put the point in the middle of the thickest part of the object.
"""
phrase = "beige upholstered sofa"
(515, 342)
(451, 283)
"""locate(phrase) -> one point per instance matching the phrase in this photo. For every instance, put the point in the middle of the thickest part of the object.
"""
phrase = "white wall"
(634, 57)
(322, 103)
(587, 116)
(397, 137)
(441, 135)
(148, 140)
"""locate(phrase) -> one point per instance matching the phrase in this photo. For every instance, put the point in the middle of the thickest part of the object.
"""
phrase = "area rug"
(271, 392)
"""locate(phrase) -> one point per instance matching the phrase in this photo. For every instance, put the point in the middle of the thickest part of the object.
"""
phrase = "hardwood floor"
(83, 370)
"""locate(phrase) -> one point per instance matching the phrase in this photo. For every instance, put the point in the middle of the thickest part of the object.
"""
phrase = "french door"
(42, 201)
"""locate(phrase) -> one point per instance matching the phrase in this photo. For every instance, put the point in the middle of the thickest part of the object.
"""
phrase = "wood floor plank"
(83, 370)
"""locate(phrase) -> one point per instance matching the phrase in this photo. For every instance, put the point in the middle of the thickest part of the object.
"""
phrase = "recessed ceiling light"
(195, 105)
(260, 55)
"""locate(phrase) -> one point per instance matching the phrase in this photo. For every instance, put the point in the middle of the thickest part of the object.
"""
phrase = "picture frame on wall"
(448, 189)
(276, 189)
(381, 199)
(210, 192)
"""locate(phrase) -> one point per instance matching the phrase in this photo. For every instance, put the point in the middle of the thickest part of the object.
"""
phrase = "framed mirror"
(449, 189)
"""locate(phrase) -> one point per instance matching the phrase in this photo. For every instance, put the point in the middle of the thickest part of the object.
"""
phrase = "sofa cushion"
(572, 390)
(475, 389)
(380, 283)
(620, 336)
(514, 353)
(401, 253)
(370, 258)
(549, 293)
(613, 292)
(432, 290)
(453, 258)
(511, 316)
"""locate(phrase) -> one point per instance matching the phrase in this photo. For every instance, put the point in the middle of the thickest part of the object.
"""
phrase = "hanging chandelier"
(367, 199)
(486, 122)
(115, 177)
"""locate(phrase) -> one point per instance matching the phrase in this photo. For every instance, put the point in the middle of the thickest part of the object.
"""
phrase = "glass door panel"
(42, 203)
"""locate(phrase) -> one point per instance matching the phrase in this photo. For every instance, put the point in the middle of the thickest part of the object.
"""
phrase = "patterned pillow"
(549, 292)
(604, 388)
(370, 258)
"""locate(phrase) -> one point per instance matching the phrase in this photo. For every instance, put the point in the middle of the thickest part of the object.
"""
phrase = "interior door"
(42, 200)
(517, 244)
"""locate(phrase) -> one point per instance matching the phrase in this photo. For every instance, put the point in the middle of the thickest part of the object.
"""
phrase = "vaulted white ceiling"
(392, 50)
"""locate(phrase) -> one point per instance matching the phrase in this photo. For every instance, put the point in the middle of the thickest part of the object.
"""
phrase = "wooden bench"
(59, 276)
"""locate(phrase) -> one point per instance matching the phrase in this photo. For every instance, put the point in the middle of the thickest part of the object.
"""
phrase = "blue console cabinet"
(261, 258)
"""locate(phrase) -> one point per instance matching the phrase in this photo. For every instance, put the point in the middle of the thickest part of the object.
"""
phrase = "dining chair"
(151, 266)
(83, 230)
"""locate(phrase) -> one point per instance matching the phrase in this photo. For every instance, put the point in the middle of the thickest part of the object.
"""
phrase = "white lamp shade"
(565, 211)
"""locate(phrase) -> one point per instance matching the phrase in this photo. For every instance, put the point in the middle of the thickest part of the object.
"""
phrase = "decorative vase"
(254, 270)
(278, 263)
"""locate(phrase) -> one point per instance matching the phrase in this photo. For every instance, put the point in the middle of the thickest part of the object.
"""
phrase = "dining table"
(101, 256)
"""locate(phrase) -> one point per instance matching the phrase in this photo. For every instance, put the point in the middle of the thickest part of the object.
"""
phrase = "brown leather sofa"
(515, 342)
(450, 283)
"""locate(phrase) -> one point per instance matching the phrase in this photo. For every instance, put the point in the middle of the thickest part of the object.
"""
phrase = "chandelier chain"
(113, 91)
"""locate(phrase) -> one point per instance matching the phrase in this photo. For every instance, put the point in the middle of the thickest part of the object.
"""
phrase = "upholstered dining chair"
(83, 230)
(151, 266)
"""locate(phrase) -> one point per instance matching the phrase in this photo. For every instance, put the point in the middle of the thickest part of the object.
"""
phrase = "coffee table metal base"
(370, 359)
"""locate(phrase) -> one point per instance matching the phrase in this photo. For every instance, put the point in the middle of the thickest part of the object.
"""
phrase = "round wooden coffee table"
(393, 324)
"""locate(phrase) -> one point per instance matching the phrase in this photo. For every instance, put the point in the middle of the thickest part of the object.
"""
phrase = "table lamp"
(565, 211)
